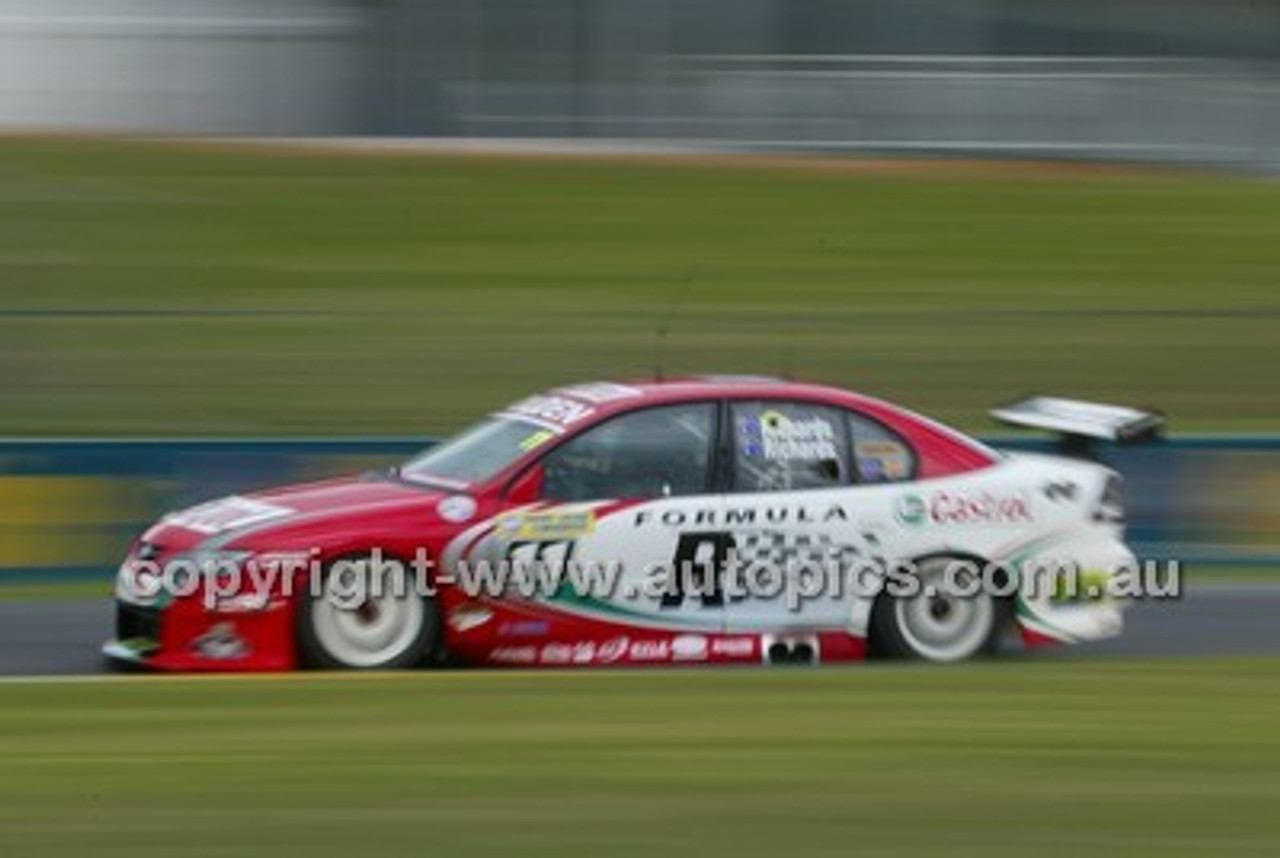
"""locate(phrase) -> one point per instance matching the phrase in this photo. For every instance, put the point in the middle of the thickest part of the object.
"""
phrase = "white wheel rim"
(941, 626)
(381, 627)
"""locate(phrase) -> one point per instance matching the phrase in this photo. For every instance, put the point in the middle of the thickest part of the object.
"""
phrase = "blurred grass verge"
(1052, 759)
(151, 289)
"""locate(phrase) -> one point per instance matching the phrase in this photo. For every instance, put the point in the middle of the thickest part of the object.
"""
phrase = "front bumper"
(184, 635)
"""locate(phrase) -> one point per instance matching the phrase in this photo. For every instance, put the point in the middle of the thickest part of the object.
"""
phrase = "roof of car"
(733, 387)
(574, 405)
(602, 398)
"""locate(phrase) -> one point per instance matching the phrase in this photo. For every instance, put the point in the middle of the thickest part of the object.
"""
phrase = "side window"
(880, 455)
(785, 446)
(658, 452)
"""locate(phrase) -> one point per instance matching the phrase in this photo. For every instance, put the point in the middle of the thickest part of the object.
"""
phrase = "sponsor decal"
(457, 508)
(742, 516)
(221, 642)
(689, 648)
(613, 650)
(744, 647)
(555, 412)
(556, 653)
(226, 514)
(464, 618)
(912, 510)
(622, 648)
(881, 461)
(775, 436)
(610, 651)
(579, 652)
(963, 507)
(601, 392)
(514, 654)
(247, 603)
(537, 439)
(524, 629)
(584, 652)
(651, 650)
(979, 508)
(1056, 490)
(549, 526)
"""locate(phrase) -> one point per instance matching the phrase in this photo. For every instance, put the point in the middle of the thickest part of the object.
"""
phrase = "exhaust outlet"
(787, 650)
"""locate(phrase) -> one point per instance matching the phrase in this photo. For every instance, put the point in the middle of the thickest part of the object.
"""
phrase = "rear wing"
(1081, 422)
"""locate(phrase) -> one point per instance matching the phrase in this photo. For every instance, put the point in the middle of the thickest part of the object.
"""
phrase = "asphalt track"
(61, 637)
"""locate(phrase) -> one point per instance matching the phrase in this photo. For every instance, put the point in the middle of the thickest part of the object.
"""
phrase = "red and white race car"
(704, 520)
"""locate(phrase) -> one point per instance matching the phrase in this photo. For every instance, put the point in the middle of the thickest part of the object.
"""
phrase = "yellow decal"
(545, 526)
(537, 439)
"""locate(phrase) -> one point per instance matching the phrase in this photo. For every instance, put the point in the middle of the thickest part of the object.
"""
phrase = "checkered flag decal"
(781, 549)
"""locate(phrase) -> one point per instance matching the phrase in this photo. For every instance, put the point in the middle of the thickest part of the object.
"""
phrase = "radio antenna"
(788, 359)
(664, 328)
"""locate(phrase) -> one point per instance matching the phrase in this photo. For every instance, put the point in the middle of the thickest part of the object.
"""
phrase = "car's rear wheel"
(934, 623)
(367, 616)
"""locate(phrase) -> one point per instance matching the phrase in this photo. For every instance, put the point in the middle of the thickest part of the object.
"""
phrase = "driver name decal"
(777, 437)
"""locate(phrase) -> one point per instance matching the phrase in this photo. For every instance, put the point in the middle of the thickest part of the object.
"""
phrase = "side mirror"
(527, 487)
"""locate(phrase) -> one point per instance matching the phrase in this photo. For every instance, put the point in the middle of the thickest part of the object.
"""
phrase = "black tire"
(937, 627)
(335, 635)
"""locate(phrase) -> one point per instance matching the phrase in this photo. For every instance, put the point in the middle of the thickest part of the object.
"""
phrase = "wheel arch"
(861, 623)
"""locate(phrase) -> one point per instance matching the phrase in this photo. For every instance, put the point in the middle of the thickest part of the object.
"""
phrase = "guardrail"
(68, 508)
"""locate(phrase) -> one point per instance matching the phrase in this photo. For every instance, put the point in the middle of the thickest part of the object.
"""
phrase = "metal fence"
(68, 509)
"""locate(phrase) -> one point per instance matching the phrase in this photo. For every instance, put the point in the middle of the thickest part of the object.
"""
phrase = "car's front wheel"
(933, 623)
(367, 616)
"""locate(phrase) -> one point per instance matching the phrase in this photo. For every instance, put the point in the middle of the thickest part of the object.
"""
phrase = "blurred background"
(244, 242)
(379, 219)
(1165, 80)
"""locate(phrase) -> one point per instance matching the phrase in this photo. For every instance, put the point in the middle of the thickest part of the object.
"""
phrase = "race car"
(703, 520)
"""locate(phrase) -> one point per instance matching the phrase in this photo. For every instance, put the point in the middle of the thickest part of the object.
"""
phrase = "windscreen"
(477, 454)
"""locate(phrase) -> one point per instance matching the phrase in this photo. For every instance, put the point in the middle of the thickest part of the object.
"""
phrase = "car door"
(806, 511)
(625, 501)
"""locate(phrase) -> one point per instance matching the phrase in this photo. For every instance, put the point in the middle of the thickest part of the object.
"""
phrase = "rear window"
(879, 454)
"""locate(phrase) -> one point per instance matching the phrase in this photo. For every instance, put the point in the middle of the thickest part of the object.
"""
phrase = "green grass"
(407, 294)
(1051, 759)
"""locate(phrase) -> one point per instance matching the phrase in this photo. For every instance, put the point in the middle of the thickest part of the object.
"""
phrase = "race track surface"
(62, 637)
